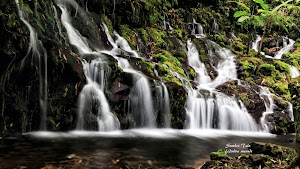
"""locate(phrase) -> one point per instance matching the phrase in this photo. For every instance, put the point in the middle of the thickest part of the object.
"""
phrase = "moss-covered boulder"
(262, 156)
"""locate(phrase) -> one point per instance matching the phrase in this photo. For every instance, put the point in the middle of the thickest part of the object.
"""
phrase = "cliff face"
(23, 75)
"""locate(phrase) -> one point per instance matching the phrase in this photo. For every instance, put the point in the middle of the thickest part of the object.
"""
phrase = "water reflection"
(132, 148)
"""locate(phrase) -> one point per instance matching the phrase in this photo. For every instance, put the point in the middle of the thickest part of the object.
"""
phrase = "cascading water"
(213, 109)
(215, 27)
(294, 71)
(37, 50)
(166, 22)
(193, 60)
(92, 98)
(197, 29)
(286, 48)
(140, 96)
(226, 67)
(267, 96)
(162, 104)
(255, 44)
(166, 106)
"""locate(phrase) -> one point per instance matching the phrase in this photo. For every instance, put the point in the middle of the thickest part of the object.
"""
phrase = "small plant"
(258, 14)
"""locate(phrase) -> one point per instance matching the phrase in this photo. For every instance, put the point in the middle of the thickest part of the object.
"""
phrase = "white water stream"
(38, 52)
(208, 108)
(140, 96)
(92, 97)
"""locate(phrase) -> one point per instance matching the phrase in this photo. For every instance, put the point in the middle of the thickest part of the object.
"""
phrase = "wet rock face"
(248, 95)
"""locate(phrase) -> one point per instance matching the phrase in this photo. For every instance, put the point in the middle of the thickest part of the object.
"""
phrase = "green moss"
(253, 60)
(202, 55)
(244, 97)
(219, 155)
(266, 69)
(191, 73)
(220, 38)
(157, 36)
(281, 88)
(178, 33)
(143, 34)
(109, 25)
(149, 66)
(172, 62)
(297, 44)
(268, 81)
(281, 66)
(247, 69)
(180, 55)
(164, 72)
(129, 35)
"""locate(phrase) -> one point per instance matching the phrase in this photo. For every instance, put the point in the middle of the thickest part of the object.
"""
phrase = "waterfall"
(166, 106)
(255, 44)
(266, 95)
(92, 98)
(197, 29)
(38, 52)
(163, 103)
(226, 67)
(199, 67)
(215, 27)
(294, 71)
(285, 49)
(208, 108)
(140, 96)
(166, 22)
(284, 41)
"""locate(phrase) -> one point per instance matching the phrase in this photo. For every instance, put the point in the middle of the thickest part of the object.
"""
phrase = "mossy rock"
(281, 88)
(169, 60)
(180, 55)
(219, 155)
(282, 67)
(272, 150)
(157, 36)
(147, 67)
(266, 69)
(129, 35)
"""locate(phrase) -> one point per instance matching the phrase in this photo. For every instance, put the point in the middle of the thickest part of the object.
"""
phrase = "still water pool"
(138, 148)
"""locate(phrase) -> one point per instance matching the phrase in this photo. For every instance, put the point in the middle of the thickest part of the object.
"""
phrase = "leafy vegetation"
(258, 14)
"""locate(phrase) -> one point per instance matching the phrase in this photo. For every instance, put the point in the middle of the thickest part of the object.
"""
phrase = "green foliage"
(129, 35)
(218, 155)
(166, 74)
(265, 16)
(109, 25)
(191, 73)
(172, 62)
(157, 36)
(180, 55)
(281, 88)
(143, 34)
(281, 66)
(247, 68)
(266, 69)
(149, 66)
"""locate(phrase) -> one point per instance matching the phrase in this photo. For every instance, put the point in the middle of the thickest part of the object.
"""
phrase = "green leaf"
(243, 18)
(281, 5)
(243, 5)
(26, 8)
(39, 24)
(262, 4)
(240, 13)
(259, 21)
